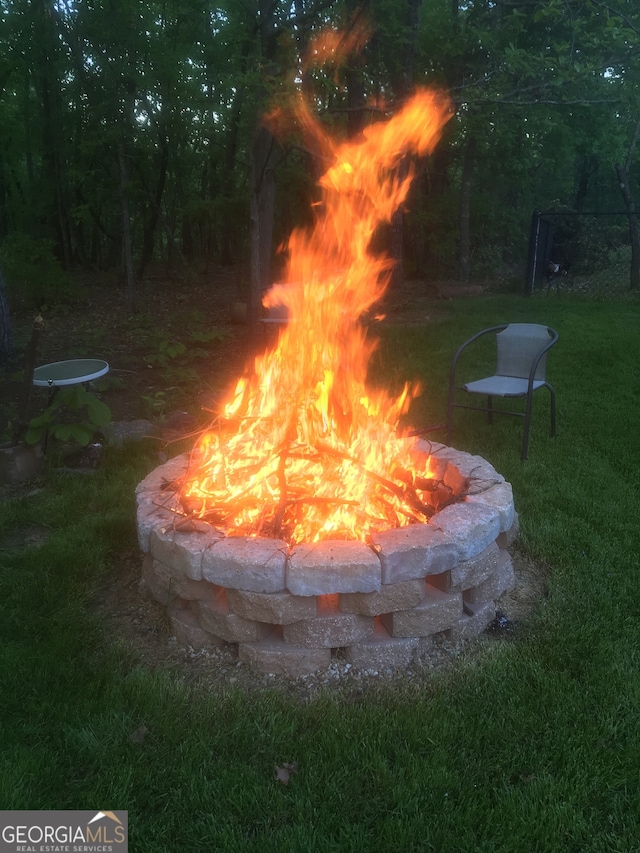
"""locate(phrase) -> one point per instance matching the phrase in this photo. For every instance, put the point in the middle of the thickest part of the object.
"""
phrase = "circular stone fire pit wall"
(287, 608)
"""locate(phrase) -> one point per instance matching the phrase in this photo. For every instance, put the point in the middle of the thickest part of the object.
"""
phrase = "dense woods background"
(131, 131)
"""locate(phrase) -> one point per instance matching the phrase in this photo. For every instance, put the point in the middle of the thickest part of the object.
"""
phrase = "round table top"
(71, 372)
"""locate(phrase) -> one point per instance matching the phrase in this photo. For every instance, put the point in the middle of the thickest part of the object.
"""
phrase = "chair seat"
(502, 386)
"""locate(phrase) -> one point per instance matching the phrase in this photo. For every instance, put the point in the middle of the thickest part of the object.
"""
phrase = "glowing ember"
(305, 451)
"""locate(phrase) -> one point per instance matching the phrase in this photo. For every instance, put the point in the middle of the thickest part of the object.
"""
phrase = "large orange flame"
(304, 450)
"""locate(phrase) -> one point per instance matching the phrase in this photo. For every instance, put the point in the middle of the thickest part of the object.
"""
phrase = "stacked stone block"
(286, 609)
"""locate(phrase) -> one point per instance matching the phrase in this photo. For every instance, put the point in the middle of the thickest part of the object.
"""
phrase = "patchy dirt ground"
(145, 374)
(144, 382)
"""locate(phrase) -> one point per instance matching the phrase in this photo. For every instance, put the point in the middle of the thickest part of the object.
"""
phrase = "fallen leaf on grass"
(139, 735)
(284, 773)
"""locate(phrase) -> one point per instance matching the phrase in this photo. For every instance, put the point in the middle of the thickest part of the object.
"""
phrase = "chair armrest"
(463, 346)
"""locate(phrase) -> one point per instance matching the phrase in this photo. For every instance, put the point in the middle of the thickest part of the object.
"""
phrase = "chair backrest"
(518, 346)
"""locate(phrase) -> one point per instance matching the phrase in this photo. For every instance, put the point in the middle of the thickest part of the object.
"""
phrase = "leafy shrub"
(587, 244)
(33, 273)
(176, 357)
(53, 422)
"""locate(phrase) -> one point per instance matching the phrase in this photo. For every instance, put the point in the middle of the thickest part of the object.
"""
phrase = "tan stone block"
(408, 553)
(174, 584)
(472, 527)
(215, 616)
(322, 568)
(194, 590)
(172, 470)
(381, 651)
(183, 552)
(506, 539)
(466, 472)
(158, 500)
(256, 564)
(499, 582)
(475, 571)
(474, 619)
(498, 496)
(436, 612)
(431, 448)
(155, 511)
(393, 596)
(274, 655)
(445, 451)
(277, 608)
(330, 628)
(159, 581)
(186, 628)
(427, 644)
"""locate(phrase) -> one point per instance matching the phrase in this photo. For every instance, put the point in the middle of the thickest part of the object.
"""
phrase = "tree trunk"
(403, 86)
(6, 338)
(464, 269)
(262, 205)
(355, 97)
(53, 159)
(132, 301)
(155, 206)
(587, 169)
(262, 177)
(4, 219)
(227, 189)
(634, 231)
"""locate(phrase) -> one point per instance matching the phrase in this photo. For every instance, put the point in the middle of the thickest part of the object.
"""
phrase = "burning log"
(413, 499)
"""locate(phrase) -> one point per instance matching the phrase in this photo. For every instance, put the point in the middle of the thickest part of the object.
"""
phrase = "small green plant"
(155, 403)
(167, 351)
(208, 337)
(108, 383)
(170, 352)
(74, 398)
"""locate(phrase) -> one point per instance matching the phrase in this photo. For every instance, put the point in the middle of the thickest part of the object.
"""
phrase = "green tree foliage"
(141, 122)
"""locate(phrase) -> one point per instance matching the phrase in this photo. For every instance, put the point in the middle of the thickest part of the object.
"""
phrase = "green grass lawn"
(529, 745)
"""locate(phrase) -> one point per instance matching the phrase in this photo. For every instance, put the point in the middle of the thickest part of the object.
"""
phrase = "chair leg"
(490, 409)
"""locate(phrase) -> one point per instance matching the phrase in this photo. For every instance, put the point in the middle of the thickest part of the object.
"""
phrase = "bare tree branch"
(618, 14)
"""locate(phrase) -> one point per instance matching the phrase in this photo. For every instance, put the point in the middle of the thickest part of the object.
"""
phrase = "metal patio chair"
(520, 370)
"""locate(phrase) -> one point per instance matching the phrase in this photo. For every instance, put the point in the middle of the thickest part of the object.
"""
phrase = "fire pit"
(288, 608)
(305, 521)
